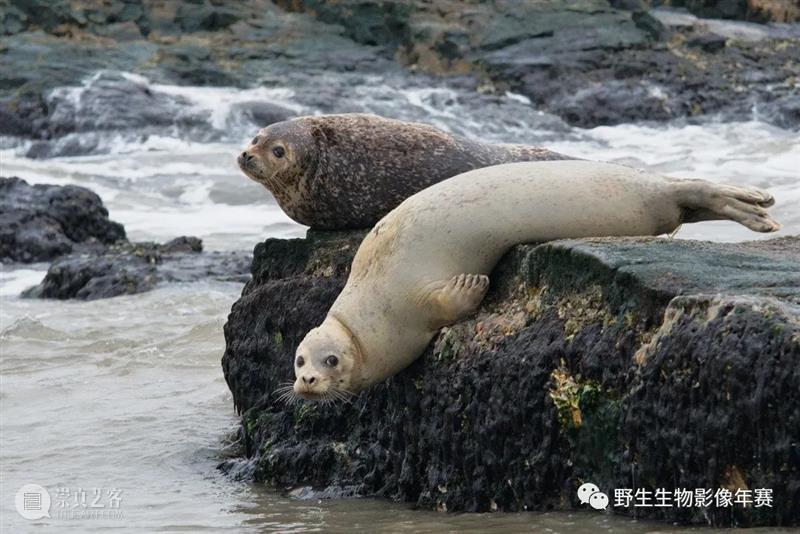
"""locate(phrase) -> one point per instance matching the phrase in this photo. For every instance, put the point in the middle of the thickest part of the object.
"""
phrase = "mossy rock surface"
(629, 363)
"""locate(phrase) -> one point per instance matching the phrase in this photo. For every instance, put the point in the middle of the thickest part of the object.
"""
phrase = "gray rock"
(42, 222)
(262, 114)
(128, 268)
(92, 257)
(632, 363)
(551, 52)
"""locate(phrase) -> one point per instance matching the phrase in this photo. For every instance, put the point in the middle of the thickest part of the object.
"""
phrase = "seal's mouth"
(308, 395)
(251, 168)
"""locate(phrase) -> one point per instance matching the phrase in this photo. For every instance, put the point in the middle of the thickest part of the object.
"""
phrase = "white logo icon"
(585, 491)
(32, 502)
(598, 501)
(589, 493)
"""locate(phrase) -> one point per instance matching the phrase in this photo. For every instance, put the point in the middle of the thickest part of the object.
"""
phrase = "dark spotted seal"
(349, 170)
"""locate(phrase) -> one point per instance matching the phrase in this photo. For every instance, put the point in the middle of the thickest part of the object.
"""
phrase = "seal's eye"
(331, 361)
(299, 361)
(278, 151)
(255, 140)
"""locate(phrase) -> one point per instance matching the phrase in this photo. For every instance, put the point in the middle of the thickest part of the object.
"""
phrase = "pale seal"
(349, 170)
(426, 264)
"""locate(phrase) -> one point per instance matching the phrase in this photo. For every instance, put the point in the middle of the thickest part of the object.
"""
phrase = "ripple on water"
(29, 328)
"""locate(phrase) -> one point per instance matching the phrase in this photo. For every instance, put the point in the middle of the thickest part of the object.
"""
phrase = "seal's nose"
(244, 157)
(308, 379)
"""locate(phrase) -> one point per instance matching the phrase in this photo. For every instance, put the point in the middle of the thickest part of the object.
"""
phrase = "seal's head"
(280, 157)
(326, 363)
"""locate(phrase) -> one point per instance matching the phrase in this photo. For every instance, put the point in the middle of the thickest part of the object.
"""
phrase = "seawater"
(128, 393)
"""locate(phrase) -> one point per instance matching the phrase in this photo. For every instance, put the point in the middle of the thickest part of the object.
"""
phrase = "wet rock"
(34, 63)
(120, 31)
(783, 111)
(613, 102)
(561, 56)
(42, 222)
(68, 145)
(93, 259)
(86, 119)
(632, 363)
(128, 268)
(60, 73)
(709, 42)
(757, 10)
(114, 101)
(375, 23)
(696, 73)
(194, 17)
(262, 114)
(550, 52)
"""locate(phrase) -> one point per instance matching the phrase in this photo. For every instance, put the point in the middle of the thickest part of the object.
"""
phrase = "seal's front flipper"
(458, 298)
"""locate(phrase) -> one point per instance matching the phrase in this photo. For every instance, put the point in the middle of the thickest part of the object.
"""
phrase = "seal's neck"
(358, 349)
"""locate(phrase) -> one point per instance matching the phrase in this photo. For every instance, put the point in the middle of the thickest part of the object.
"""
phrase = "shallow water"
(128, 393)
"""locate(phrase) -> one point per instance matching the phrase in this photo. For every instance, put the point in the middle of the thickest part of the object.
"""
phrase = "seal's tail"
(706, 201)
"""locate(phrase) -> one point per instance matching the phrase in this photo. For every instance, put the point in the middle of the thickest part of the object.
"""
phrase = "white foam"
(218, 101)
(13, 282)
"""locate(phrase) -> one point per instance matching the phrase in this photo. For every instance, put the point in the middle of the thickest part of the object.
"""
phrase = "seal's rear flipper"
(458, 298)
(706, 201)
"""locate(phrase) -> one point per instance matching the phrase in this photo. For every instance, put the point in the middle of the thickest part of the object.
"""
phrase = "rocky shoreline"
(631, 363)
(591, 62)
(596, 62)
(90, 254)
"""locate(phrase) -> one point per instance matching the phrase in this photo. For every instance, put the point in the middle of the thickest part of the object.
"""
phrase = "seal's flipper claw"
(458, 298)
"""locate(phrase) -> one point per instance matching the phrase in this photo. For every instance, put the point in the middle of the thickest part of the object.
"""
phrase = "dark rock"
(205, 17)
(382, 22)
(567, 73)
(120, 31)
(631, 363)
(61, 75)
(631, 5)
(128, 268)
(754, 10)
(33, 64)
(551, 52)
(613, 102)
(726, 9)
(93, 259)
(12, 20)
(10, 124)
(262, 114)
(69, 145)
(42, 222)
(783, 111)
(710, 42)
(192, 64)
(113, 101)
